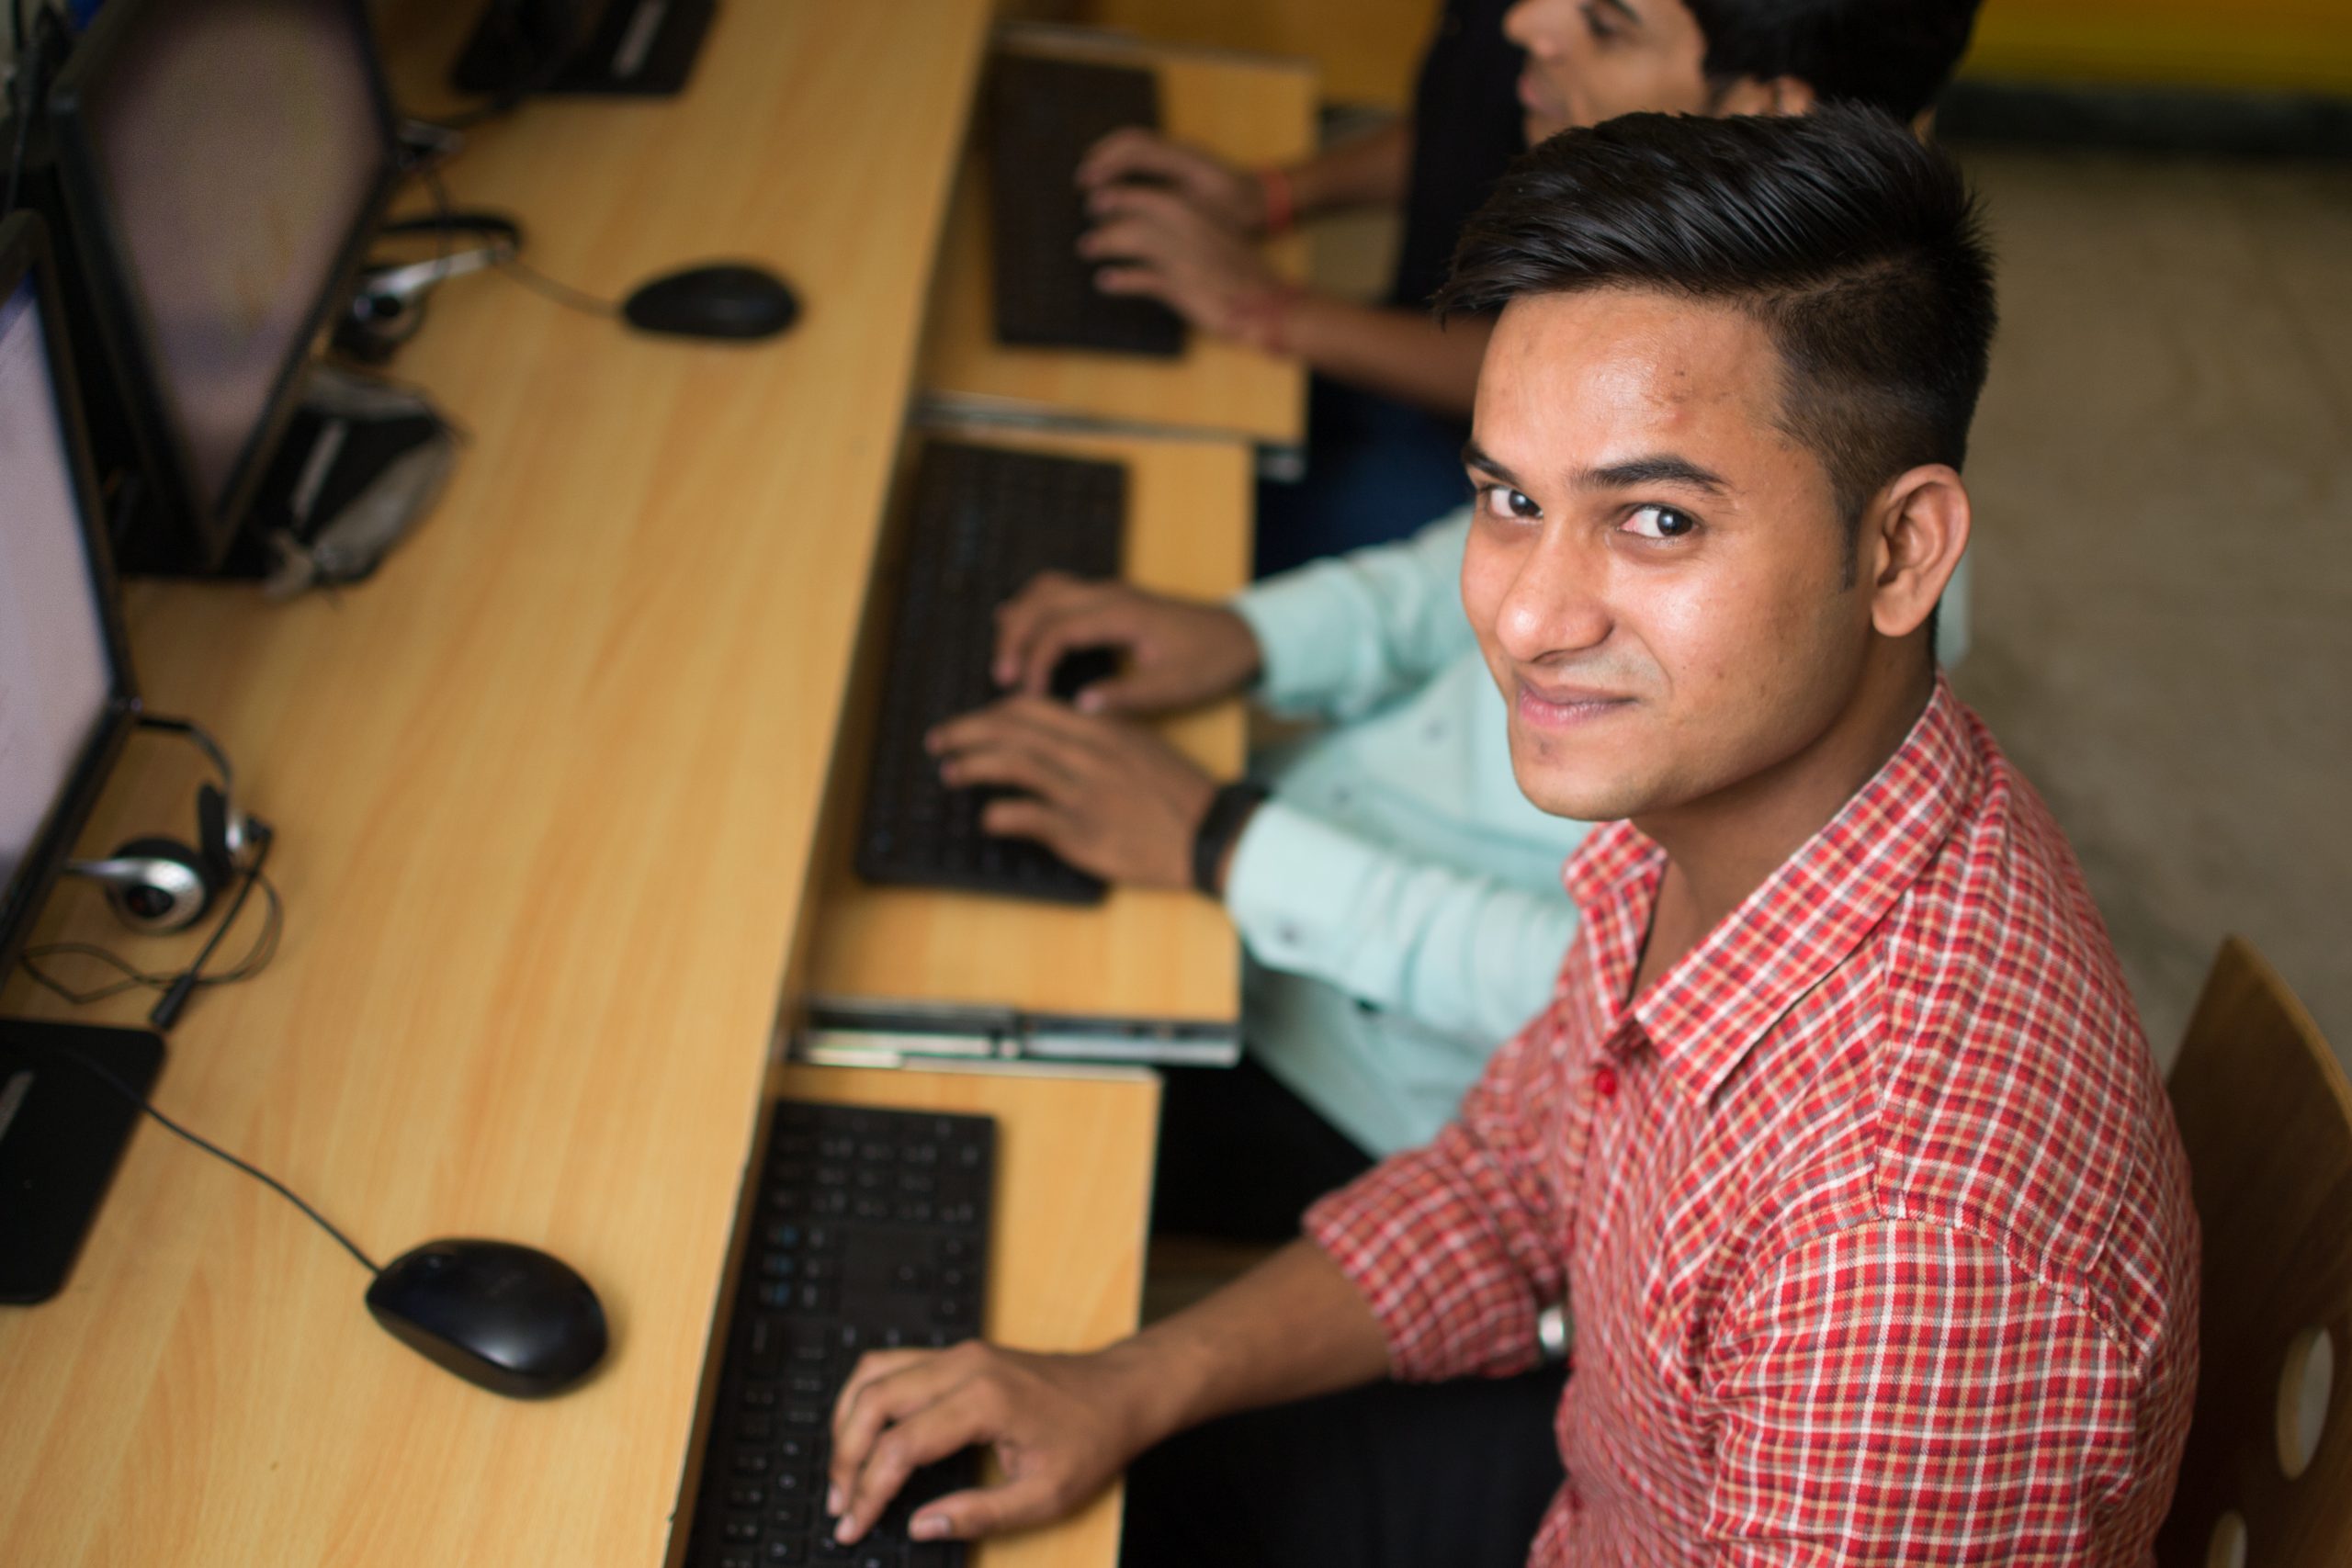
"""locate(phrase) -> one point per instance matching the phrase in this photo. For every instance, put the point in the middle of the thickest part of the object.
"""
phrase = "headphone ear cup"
(172, 900)
(213, 835)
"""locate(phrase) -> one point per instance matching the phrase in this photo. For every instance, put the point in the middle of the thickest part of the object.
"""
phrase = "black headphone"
(157, 884)
(388, 304)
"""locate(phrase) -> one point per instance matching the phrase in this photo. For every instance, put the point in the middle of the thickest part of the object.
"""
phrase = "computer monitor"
(66, 706)
(222, 164)
(66, 701)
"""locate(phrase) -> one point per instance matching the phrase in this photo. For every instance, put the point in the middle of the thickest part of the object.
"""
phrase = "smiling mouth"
(1569, 709)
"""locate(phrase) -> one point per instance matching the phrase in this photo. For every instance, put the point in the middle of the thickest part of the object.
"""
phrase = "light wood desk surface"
(1253, 111)
(1143, 954)
(546, 794)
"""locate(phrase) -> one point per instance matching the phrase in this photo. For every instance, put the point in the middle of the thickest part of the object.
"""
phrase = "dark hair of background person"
(1894, 55)
(1857, 248)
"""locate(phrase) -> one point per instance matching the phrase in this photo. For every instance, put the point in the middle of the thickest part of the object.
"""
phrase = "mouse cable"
(513, 266)
(34, 960)
(105, 1075)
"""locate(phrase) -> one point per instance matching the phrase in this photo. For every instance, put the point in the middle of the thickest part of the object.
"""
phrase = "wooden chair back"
(2267, 1116)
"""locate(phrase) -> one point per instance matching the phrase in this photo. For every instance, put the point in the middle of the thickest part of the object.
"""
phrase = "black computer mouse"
(508, 1317)
(727, 299)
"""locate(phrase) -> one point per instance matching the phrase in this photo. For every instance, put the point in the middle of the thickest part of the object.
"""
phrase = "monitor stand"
(630, 47)
(360, 464)
(62, 1129)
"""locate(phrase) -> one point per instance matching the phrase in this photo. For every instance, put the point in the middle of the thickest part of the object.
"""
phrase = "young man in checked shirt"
(1839, 1133)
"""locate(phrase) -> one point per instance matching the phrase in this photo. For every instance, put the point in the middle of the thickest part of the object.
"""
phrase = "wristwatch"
(1229, 813)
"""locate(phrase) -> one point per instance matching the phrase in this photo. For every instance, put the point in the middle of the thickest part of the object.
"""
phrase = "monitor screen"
(56, 668)
(240, 145)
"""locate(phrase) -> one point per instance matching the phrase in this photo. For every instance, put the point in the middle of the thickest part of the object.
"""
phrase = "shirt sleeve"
(1462, 952)
(1453, 1245)
(1339, 637)
(1901, 1392)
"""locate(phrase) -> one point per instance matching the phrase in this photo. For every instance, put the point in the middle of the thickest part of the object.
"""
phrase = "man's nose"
(1522, 25)
(1556, 603)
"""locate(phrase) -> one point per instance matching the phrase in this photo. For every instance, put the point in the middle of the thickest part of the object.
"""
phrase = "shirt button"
(1604, 1081)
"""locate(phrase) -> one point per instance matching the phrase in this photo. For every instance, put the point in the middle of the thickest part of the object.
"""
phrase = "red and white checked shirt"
(1870, 1213)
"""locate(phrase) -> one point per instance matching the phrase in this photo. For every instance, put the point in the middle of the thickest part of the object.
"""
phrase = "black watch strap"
(1229, 809)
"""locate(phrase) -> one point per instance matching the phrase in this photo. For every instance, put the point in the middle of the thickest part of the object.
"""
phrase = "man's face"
(1657, 574)
(1589, 61)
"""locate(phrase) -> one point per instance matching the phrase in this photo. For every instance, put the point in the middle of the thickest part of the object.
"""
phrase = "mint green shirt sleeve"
(1455, 950)
(1343, 636)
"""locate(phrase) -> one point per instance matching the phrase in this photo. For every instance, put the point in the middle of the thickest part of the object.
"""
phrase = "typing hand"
(1233, 197)
(1178, 652)
(1155, 243)
(1060, 1426)
(1108, 797)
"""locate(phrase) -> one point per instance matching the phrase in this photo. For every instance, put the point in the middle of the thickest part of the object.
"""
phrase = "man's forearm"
(1401, 353)
(1291, 1328)
(1364, 171)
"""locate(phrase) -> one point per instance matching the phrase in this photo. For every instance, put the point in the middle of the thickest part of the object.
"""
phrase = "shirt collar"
(1722, 996)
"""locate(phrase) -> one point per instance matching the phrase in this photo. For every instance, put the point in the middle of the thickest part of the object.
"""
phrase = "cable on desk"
(106, 1076)
(514, 266)
(256, 959)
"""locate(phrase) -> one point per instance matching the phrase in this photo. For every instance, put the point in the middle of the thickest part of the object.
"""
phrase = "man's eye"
(1660, 522)
(1510, 504)
(1599, 25)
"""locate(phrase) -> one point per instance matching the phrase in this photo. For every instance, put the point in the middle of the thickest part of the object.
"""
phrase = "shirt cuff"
(1431, 1266)
(1280, 888)
(1305, 647)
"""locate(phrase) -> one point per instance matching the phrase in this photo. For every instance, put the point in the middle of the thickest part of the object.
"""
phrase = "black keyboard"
(871, 1233)
(984, 521)
(1043, 115)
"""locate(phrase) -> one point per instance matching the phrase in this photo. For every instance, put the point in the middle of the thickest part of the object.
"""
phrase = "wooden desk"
(546, 794)
(1145, 953)
(1254, 111)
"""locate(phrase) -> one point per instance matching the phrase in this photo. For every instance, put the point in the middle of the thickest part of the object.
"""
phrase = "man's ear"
(1911, 542)
(1779, 94)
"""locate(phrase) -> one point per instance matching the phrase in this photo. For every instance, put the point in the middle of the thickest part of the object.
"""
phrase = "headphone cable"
(167, 1010)
(256, 959)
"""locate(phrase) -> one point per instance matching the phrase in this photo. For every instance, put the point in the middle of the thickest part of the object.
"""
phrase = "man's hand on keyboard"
(1108, 797)
(1235, 198)
(1060, 1426)
(1176, 652)
(1154, 243)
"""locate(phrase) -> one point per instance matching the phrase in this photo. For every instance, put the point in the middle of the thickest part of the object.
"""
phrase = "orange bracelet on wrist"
(1282, 201)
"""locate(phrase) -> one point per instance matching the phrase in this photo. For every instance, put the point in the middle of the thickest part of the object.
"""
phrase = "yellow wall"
(2301, 44)
(1367, 48)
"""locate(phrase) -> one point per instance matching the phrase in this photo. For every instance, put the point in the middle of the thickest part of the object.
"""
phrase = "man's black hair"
(1894, 55)
(1858, 250)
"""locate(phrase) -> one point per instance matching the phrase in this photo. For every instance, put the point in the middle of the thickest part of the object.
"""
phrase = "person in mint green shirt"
(1398, 899)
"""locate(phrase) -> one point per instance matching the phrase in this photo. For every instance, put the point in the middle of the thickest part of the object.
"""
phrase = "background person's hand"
(1155, 244)
(1108, 797)
(1234, 198)
(1061, 1426)
(1176, 652)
